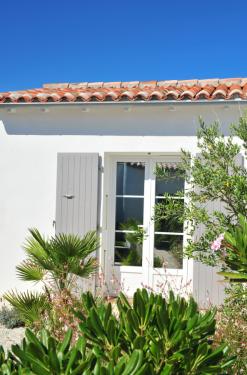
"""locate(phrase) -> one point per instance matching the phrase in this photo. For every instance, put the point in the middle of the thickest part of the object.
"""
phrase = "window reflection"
(129, 213)
(130, 178)
(168, 251)
(171, 224)
(128, 209)
(168, 247)
(128, 251)
(169, 179)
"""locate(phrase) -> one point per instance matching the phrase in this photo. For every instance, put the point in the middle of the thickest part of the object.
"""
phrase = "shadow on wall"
(130, 120)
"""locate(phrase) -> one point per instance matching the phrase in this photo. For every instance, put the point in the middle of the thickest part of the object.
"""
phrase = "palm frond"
(70, 245)
(38, 250)
(39, 238)
(85, 268)
(30, 305)
(29, 271)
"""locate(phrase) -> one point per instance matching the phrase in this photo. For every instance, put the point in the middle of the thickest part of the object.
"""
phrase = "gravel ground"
(9, 337)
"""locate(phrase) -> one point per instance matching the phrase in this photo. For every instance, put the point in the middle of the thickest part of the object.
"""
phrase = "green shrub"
(10, 318)
(44, 355)
(173, 335)
(232, 326)
(152, 336)
(233, 250)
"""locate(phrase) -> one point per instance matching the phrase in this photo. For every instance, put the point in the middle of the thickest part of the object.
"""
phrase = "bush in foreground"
(151, 336)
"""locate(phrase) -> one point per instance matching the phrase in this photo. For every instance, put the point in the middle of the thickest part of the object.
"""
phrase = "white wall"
(30, 140)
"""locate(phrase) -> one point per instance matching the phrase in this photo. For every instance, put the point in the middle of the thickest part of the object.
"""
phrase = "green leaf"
(28, 271)
(167, 370)
(72, 358)
(66, 341)
(96, 322)
(233, 275)
(53, 358)
(31, 338)
(134, 363)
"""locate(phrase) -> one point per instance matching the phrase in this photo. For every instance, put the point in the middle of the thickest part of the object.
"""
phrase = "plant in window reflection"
(168, 172)
(169, 213)
(134, 241)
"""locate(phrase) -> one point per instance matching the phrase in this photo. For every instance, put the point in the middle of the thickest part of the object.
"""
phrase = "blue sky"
(107, 40)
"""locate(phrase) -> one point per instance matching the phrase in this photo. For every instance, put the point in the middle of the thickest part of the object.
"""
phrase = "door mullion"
(145, 258)
(151, 221)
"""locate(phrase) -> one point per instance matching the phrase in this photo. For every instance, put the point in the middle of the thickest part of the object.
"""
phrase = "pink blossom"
(216, 245)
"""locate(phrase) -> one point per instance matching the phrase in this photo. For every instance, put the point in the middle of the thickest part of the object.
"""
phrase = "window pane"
(168, 251)
(129, 213)
(130, 178)
(171, 224)
(169, 180)
(128, 251)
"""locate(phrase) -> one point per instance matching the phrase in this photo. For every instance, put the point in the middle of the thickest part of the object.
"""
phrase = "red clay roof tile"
(206, 89)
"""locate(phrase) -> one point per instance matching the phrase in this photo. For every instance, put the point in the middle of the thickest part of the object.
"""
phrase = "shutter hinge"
(101, 168)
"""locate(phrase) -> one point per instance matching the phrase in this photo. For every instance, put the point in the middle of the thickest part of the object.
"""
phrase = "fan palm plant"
(55, 263)
(58, 259)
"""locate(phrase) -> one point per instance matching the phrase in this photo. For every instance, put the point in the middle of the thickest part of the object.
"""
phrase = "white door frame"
(146, 272)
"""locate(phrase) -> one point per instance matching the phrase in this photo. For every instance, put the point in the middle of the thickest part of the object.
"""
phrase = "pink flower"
(216, 245)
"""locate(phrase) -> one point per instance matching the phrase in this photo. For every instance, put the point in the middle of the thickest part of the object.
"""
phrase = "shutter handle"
(68, 196)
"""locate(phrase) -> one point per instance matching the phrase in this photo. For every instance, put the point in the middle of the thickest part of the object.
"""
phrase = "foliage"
(44, 355)
(10, 318)
(213, 176)
(55, 263)
(30, 305)
(137, 234)
(157, 262)
(132, 259)
(173, 336)
(58, 259)
(162, 173)
(232, 326)
(233, 250)
(134, 237)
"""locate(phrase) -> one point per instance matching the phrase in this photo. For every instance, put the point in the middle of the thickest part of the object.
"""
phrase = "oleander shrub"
(10, 318)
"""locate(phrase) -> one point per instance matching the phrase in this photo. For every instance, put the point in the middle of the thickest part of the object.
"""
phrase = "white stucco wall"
(31, 138)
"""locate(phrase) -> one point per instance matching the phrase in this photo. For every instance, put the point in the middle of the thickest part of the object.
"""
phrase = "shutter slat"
(77, 193)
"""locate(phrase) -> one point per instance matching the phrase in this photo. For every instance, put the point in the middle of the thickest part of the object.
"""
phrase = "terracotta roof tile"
(206, 89)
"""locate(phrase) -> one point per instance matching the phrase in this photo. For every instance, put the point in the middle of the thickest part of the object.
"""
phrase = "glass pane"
(130, 178)
(168, 180)
(129, 213)
(168, 251)
(128, 250)
(171, 224)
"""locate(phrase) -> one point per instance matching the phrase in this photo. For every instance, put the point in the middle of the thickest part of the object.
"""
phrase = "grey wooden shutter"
(208, 286)
(77, 193)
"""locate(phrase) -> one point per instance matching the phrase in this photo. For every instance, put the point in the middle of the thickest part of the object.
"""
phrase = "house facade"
(80, 157)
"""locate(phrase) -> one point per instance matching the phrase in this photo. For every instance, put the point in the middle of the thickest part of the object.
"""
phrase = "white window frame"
(109, 206)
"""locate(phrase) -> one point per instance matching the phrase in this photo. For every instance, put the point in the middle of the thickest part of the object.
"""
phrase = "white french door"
(143, 251)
